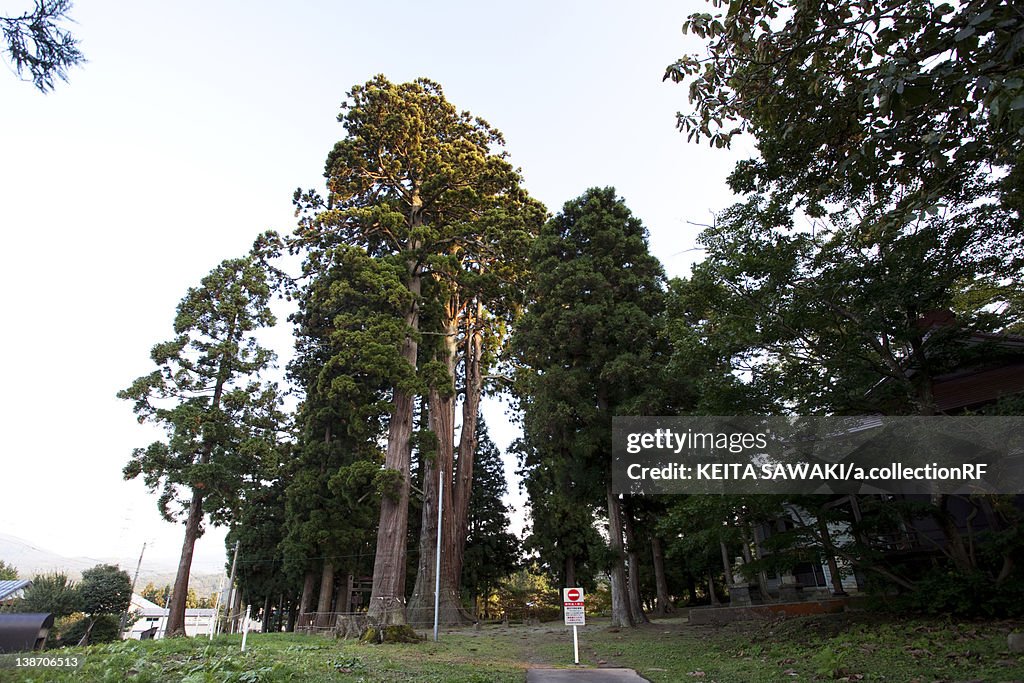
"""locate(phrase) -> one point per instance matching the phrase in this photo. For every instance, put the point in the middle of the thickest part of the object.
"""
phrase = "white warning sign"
(572, 607)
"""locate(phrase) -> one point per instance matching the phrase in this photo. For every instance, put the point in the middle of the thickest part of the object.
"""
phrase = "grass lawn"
(853, 647)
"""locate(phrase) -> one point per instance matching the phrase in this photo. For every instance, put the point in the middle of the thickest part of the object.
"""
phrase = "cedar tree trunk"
(620, 601)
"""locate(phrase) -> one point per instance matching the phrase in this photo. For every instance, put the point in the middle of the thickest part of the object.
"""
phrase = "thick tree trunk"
(569, 572)
(664, 603)
(265, 626)
(323, 605)
(621, 616)
(762, 577)
(387, 596)
(954, 539)
(726, 564)
(830, 554)
(442, 423)
(420, 611)
(293, 615)
(711, 590)
(179, 594)
(636, 608)
(306, 601)
(473, 353)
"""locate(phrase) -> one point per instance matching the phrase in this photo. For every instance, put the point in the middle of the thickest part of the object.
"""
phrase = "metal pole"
(575, 647)
(437, 561)
(124, 617)
(231, 591)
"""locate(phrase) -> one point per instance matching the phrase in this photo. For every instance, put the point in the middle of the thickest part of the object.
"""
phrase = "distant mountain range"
(30, 560)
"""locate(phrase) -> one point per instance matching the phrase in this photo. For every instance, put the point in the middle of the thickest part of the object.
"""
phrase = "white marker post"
(572, 608)
(245, 626)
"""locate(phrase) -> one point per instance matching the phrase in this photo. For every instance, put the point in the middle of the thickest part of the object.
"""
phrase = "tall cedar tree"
(206, 394)
(492, 551)
(562, 534)
(416, 184)
(349, 330)
(589, 347)
(258, 527)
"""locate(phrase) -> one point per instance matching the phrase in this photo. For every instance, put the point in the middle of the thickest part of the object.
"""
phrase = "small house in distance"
(152, 620)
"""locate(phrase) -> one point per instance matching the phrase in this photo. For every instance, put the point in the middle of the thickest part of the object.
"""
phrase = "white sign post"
(572, 607)
(245, 626)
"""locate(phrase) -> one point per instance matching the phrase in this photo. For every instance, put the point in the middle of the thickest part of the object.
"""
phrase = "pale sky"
(184, 137)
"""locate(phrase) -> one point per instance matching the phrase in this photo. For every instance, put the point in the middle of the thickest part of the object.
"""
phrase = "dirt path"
(583, 676)
(547, 651)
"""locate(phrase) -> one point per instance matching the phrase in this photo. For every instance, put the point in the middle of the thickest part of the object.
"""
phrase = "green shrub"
(949, 592)
(105, 630)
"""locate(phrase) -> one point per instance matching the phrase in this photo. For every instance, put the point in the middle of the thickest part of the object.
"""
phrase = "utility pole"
(231, 591)
(124, 617)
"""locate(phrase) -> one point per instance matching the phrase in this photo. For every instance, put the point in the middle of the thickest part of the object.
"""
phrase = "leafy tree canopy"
(879, 92)
(897, 120)
(8, 572)
(54, 593)
(105, 589)
(206, 394)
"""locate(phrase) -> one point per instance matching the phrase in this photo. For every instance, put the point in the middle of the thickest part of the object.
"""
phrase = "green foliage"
(527, 594)
(8, 572)
(965, 595)
(828, 662)
(886, 190)
(587, 348)
(105, 628)
(54, 593)
(349, 330)
(154, 594)
(918, 95)
(886, 187)
(258, 526)
(492, 552)
(829, 313)
(387, 483)
(36, 43)
(393, 633)
(752, 652)
(424, 229)
(219, 419)
(105, 589)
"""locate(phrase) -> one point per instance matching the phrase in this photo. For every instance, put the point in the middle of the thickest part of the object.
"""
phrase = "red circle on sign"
(573, 594)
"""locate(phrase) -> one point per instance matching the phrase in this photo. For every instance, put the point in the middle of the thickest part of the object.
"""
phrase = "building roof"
(9, 587)
(972, 389)
(142, 603)
(979, 381)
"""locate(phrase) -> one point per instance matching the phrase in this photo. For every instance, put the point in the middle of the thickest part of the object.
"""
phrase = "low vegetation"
(848, 647)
